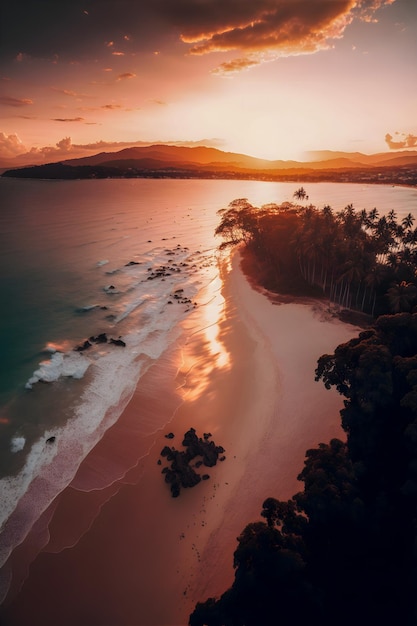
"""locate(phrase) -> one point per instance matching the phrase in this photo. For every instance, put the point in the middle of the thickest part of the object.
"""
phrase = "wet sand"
(121, 551)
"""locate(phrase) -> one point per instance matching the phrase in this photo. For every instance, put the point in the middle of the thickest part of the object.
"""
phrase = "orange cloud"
(237, 65)
(126, 76)
(268, 29)
(403, 141)
(15, 102)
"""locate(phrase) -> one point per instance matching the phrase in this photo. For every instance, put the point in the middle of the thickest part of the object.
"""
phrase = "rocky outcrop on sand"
(198, 451)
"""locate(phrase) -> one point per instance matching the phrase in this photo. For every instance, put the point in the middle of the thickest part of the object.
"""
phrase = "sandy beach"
(117, 549)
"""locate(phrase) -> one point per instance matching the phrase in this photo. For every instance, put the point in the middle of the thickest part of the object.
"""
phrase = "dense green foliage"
(357, 259)
(342, 551)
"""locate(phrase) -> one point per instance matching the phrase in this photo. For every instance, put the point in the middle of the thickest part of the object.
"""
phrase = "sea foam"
(70, 364)
(17, 444)
(148, 315)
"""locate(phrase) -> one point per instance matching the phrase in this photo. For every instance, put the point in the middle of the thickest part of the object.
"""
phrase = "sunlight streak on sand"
(200, 365)
(212, 313)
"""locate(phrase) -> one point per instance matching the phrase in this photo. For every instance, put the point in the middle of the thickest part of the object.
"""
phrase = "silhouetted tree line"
(343, 550)
(358, 260)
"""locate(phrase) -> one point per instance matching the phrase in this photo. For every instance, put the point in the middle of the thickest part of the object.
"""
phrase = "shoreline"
(358, 176)
(146, 558)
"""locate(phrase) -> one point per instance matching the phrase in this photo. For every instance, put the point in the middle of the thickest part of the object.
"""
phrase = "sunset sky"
(269, 78)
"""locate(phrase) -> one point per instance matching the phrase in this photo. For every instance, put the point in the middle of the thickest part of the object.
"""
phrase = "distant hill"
(162, 160)
(173, 155)
(176, 154)
(405, 157)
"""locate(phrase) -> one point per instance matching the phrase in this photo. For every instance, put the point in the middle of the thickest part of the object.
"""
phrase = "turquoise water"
(79, 258)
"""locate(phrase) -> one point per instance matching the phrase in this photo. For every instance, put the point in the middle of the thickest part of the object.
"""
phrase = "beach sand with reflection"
(128, 553)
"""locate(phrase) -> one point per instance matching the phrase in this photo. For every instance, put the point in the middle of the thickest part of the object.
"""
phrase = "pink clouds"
(126, 76)
(10, 145)
(15, 102)
(12, 149)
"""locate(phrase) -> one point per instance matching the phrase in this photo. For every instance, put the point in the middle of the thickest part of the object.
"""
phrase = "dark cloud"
(15, 102)
(68, 29)
(402, 141)
(68, 119)
(269, 28)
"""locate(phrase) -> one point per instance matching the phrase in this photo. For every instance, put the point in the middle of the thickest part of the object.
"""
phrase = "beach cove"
(115, 548)
(127, 552)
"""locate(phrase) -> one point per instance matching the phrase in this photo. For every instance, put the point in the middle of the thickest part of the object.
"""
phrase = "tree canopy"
(358, 260)
(342, 550)
(344, 545)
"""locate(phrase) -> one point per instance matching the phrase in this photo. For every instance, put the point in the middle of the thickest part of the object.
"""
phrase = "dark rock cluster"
(181, 472)
(178, 295)
(101, 338)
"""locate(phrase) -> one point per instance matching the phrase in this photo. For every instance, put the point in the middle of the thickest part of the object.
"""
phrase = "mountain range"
(162, 159)
(174, 156)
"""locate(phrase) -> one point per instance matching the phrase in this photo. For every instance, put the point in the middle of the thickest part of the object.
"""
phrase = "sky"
(273, 79)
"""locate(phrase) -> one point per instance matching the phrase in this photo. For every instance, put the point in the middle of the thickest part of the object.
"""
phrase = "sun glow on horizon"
(99, 84)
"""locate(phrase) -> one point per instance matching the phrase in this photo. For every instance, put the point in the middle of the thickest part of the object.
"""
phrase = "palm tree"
(352, 274)
(373, 215)
(408, 221)
(373, 279)
(300, 194)
(401, 296)
(363, 216)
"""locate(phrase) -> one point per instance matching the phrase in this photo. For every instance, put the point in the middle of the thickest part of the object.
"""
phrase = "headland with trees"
(343, 549)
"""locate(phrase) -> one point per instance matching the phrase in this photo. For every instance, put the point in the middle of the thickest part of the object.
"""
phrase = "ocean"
(122, 264)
